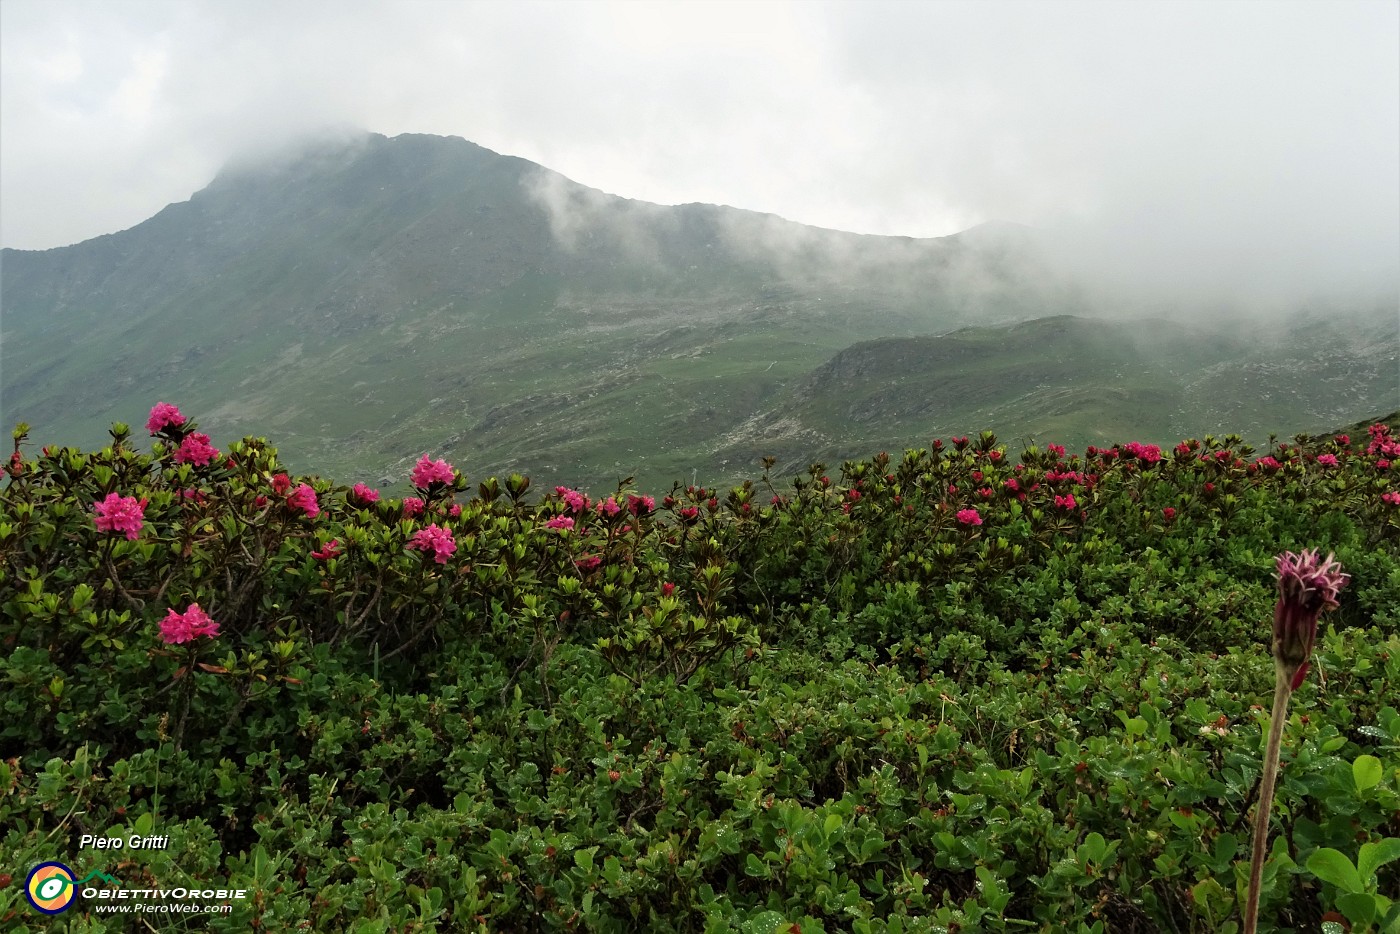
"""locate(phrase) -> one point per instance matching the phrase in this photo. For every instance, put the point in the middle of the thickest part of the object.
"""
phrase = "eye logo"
(50, 888)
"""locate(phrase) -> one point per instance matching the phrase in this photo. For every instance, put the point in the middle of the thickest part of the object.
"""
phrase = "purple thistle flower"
(1307, 586)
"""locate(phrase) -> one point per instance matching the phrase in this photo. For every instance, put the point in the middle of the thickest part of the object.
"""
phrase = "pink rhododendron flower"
(1391, 498)
(640, 505)
(969, 516)
(304, 498)
(1343, 440)
(193, 495)
(1168, 513)
(281, 484)
(668, 589)
(427, 472)
(1307, 585)
(1147, 453)
(588, 562)
(184, 627)
(609, 507)
(985, 492)
(196, 449)
(412, 506)
(163, 416)
(1012, 484)
(560, 522)
(455, 510)
(689, 513)
(1382, 465)
(434, 539)
(1327, 460)
(1268, 463)
(575, 500)
(1066, 501)
(362, 495)
(1057, 449)
(259, 501)
(121, 514)
(330, 550)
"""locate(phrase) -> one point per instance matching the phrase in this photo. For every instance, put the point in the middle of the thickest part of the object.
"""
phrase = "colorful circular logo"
(50, 888)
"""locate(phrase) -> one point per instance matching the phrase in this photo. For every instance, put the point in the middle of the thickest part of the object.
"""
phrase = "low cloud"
(1203, 154)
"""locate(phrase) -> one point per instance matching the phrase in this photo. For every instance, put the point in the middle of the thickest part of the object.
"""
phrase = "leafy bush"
(954, 690)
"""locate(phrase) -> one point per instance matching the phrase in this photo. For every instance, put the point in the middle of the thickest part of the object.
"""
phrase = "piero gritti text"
(134, 842)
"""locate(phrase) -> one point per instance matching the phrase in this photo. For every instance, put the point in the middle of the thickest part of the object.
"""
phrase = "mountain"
(363, 301)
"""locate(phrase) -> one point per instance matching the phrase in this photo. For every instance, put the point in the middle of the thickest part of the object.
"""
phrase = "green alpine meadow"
(978, 685)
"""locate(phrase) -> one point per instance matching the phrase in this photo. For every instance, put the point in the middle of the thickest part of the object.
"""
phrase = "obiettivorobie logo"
(51, 886)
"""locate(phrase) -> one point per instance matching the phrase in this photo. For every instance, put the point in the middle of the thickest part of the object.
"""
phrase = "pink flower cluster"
(427, 472)
(1072, 476)
(1391, 498)
(560, 522)
(163, 416)
(1327, 460)
(1381, 443)
(640, 505)
(304, 498)
(330, 550)
(412, 506)
(191, 624)
(575, 500)
(363, 496)
(196, 449)
(609, 507)
(434, 539)
(121, 514)
(1065, 502)
(969, 516)
(1147, 453)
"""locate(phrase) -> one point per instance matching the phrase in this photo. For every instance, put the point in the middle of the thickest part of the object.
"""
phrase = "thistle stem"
(1282, 692)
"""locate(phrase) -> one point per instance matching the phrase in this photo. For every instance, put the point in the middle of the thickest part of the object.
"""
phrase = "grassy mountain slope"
(371, 300)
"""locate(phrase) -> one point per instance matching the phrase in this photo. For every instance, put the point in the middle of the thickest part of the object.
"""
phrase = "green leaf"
(1329, 865)
(1359, 907)
(1375, 855)
(1366, 771)
(584, 858)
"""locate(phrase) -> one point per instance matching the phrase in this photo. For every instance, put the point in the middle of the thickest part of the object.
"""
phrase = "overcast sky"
(1237, 140)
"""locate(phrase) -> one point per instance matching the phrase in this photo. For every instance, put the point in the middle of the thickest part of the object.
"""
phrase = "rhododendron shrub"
(816, 661)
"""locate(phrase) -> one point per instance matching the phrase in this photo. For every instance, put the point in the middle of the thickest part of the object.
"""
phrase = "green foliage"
(830, 704)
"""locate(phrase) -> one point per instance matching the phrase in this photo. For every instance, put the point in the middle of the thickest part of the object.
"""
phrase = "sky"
(1244, 146)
